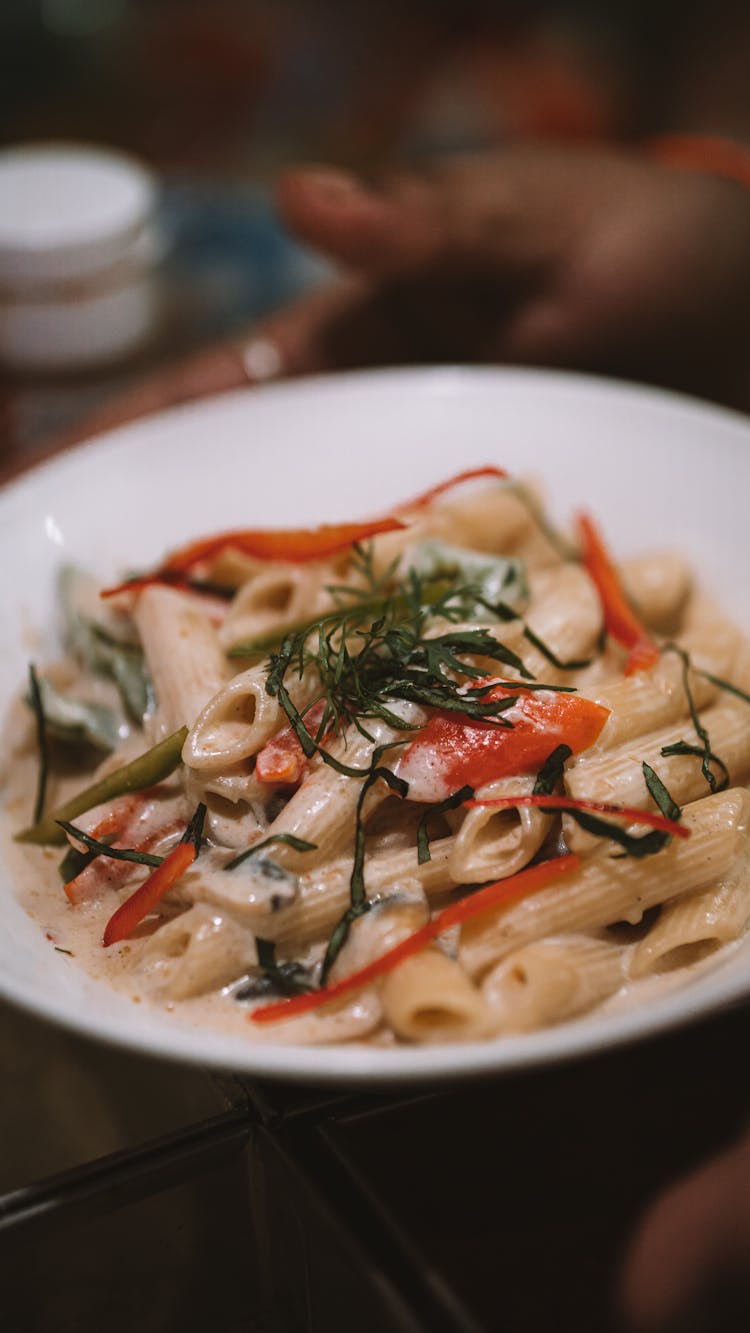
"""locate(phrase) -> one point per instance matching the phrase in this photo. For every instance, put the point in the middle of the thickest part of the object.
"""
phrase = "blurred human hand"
(688, 1267)
(590, 259)
(586, 259)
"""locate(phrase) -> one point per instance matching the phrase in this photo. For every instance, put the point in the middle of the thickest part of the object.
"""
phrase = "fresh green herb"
(299, 845)
(41, 741)
(145, 771)
(194, 831)
(550, 774)
(635, 846)
(69, 952)
(288, 978)
(707, 757)
(73, 863)
(576, 664)
(104, 849)
(359, 903)
(682, 747)
(450, 803)
(666, 803)
(723, 685)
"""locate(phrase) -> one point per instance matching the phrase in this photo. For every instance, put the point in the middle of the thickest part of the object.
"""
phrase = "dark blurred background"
(218, 97)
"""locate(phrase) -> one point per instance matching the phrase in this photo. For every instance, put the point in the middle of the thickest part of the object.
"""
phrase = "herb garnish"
(666, 803)
(703, 751)
(104, 849)
(550, 774)
(41, 740)
(299, 845)
(359, 902)
(450, 803)
(285, 978)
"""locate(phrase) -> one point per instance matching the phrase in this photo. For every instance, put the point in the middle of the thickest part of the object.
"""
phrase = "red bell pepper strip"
(160, 881)
(282, 759)
(453, 750)
(298, 545)
(146, 898)
(427, 497)
(634, 816)
(620, 620)
(488, 899)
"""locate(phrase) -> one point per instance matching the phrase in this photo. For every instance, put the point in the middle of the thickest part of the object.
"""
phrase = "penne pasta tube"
(618, 775)
(429, 998)
(659, 585)
(551, 980)
(694, 926)
(240, 717)
(196, 952)
(492, 844)
(183, 653)
(611, 888)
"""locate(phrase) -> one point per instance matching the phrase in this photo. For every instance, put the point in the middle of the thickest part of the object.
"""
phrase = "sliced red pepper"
(147, 897)
(634, 816)
(470, 474)
(488, 899)
(282, 759)
(620, 620)
(453, 750)
(298, 545)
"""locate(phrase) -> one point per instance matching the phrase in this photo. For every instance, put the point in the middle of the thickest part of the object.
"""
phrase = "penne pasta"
(300, 842)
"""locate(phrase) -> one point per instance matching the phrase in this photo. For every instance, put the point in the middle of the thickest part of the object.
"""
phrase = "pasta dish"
(441, 775)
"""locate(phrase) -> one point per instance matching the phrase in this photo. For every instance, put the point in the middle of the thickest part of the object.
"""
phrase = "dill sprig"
(366, 668)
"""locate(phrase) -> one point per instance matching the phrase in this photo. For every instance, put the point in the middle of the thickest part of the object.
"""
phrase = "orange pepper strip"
(455, 750)
(296, 544)
(145, 899)
(649, 817)
(489, 898)
(470, 474)
(619, 618)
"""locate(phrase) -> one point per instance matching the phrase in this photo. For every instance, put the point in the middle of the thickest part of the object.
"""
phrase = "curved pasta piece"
(551, 980)
(239, 719)
(280, 595)
(491, 844)
(611, 888)
(429, 998)
(185, 660)
(196, 952)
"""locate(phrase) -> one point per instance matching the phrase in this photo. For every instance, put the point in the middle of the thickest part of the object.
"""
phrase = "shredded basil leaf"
(41, 740)
(550, 774)
(115, 853)
(450, 803)
(299, 845)
(667, 805)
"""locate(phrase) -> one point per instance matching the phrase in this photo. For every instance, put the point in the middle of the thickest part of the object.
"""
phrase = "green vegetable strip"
(41, 740)
(284, 979)
(666, 803)
(103, 849)
(683, 747)
(299, 845)
(145, 771)
(450, 803)
(359, 901)
(551, 771)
